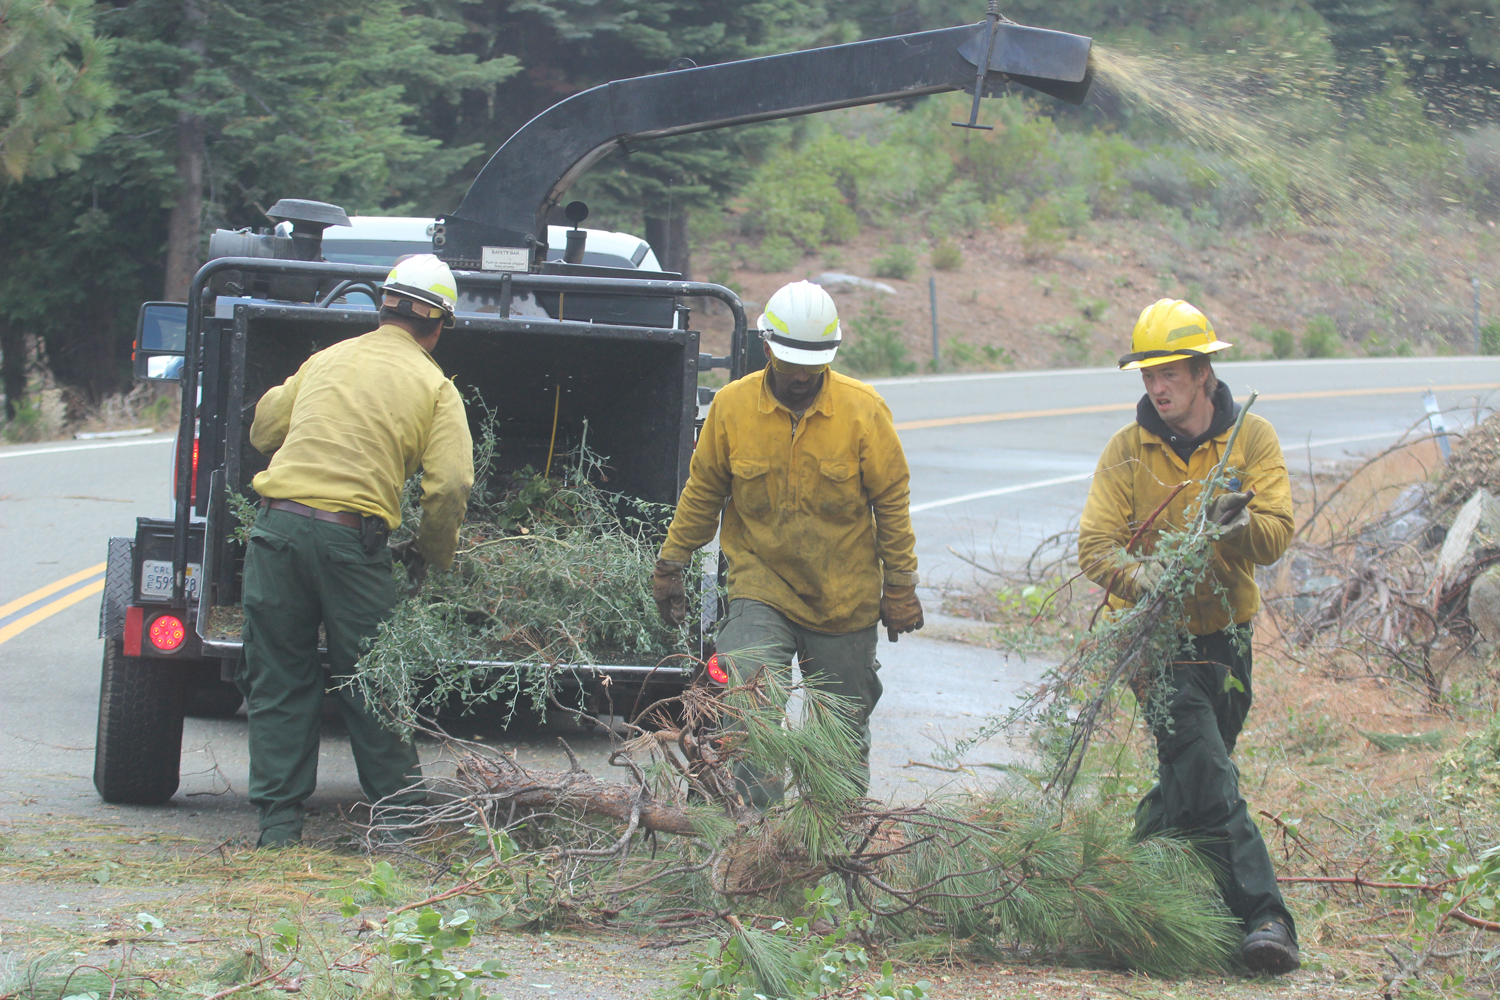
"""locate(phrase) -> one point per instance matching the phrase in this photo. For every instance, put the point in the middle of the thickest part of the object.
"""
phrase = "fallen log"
(507, 781)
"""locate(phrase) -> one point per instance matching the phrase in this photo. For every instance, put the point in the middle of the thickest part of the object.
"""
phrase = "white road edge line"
(84, 447)
(918, 508)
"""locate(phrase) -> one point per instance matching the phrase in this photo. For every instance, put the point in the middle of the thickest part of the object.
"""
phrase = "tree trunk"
(12, 367)
(668, 236)
(185, 225)
(88, 356)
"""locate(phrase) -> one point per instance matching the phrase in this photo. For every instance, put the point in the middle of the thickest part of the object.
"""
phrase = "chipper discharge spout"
(508, 203)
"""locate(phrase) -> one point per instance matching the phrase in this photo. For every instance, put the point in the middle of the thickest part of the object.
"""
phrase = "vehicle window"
(377, 252)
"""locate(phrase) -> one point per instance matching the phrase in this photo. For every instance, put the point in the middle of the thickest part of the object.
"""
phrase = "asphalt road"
(1023, 442)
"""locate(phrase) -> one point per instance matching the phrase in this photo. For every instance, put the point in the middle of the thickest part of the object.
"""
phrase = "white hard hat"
(801, 324)
(427, 279)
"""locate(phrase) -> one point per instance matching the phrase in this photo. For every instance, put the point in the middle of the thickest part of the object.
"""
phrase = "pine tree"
(306, 96)
(54, 90)
(223, 108)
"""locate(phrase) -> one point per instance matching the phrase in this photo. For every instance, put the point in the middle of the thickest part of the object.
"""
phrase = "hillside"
(1381, 294)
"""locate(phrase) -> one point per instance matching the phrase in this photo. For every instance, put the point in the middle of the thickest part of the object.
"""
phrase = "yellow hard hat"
(1169, 330)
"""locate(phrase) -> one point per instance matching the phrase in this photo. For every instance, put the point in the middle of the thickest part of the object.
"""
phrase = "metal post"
(1435, 420)
(937, 361)
(1478, 342)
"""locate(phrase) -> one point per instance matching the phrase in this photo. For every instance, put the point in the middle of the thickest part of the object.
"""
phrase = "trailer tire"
(138, 747)
(214, 699)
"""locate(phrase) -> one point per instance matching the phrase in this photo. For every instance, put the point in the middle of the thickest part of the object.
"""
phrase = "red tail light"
(715, 671)
(167, 633)
(193, 480)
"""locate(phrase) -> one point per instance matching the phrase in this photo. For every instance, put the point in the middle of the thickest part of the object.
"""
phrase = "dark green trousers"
(1198, 792)
(300, 573)
(753, 635)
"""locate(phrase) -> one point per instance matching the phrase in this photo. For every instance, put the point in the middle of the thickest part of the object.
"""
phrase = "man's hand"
(1135, 583)
(1147, 575)
(1232, 512)
(668, 592)
(900, 610)
(407, 554)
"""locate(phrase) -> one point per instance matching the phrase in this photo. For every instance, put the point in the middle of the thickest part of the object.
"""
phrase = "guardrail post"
(937, 361)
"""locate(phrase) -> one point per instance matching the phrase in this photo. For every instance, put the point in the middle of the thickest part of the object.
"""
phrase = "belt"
(337, 517)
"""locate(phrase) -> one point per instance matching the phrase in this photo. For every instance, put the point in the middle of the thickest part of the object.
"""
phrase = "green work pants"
(1197, 795)
(753, 635)
(299, 573)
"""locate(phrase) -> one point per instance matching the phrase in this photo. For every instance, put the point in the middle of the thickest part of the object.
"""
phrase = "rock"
(1475, 528)
(834, 279)
(1484, 604)
(1409, 519)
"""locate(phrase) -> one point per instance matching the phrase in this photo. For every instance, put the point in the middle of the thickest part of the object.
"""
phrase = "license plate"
(156, 578)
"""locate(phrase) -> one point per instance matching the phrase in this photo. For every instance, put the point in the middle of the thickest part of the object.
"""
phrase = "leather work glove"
(900, 610)
(1140, 581)
(1237, 524)
(668, 591)
(409, 556)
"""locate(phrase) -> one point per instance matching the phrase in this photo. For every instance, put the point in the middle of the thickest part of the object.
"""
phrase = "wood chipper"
(553, 344)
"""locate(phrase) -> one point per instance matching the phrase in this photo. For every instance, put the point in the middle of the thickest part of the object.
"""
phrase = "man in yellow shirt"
(800, 471)
(344, 433)
(1181, 431)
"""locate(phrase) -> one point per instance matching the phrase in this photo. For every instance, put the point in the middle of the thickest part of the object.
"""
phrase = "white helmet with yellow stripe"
(801, 324)
(427, 280)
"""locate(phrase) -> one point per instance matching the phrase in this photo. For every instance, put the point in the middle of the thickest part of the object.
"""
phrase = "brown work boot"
(1270, 950)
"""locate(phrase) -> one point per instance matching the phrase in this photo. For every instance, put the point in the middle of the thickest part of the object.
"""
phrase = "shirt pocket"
(838, 496)
(750, 487)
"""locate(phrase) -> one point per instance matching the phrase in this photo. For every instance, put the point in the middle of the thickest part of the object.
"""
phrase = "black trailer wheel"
(214, 699)
(138, 749)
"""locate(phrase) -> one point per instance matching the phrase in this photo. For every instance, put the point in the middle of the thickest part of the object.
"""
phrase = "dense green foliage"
(54, 95)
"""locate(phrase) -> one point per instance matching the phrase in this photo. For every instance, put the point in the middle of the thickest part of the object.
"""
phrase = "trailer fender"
(118, 587)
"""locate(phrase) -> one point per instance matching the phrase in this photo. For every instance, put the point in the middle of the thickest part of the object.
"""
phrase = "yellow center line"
(1071, 411)
(25, 622)
(51, 588)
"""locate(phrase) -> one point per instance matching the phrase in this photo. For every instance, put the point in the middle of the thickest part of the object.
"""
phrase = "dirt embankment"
(1075, 306)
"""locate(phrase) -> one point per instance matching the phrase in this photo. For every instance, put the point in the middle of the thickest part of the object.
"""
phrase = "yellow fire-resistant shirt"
(1135, 474)
(812, 519)
(356, 421)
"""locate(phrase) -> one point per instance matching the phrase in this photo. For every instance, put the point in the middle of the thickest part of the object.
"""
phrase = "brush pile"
(551, 570)
(1397, 586)
(675, 853)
